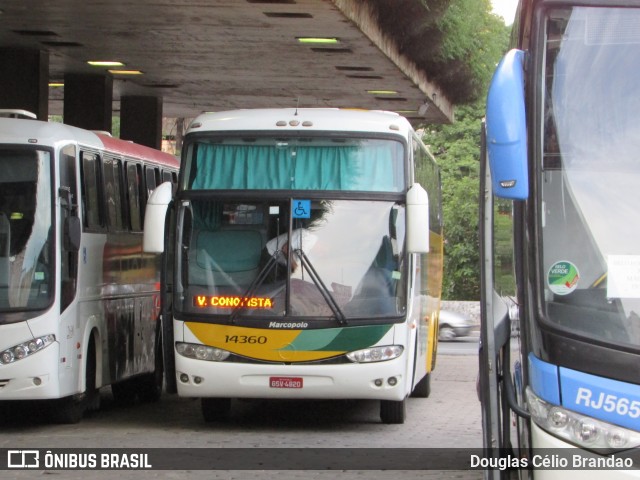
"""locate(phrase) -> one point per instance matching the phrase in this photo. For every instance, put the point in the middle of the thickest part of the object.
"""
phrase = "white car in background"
(453, 325)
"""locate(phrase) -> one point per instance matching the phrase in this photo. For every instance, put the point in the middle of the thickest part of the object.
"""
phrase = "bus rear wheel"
(393, 411)
(215, 409)
(150, 386)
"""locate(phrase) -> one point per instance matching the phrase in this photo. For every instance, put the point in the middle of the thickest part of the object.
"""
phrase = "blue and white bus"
(561, 249)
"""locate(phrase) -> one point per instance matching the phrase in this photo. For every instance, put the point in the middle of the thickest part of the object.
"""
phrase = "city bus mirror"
(417, 219)
(154, 217)
(506, 129)
(72, 233)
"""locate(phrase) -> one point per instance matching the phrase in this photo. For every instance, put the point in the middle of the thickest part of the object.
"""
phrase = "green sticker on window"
(563, 277)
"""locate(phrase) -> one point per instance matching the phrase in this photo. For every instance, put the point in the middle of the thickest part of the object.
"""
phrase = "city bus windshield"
(26, 263)
(324, 259)
(590, 173)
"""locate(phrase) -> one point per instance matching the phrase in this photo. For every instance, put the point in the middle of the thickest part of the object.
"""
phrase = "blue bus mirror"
(506, 129)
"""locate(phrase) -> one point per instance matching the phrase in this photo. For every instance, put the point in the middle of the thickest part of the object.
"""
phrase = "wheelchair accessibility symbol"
(301, 208)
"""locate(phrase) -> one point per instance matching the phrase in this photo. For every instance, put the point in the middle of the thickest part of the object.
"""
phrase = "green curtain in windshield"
(297, 168)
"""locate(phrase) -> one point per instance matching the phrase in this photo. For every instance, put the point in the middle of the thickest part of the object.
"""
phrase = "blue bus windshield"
(590, 173)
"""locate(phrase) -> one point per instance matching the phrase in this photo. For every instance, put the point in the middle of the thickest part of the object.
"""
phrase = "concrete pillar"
(24, 80)
(141, 120)
(88, 101)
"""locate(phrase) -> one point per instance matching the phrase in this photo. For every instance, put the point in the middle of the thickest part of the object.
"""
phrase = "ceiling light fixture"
(382, 92)
(125, 72)
(318, 40)
(105, 63)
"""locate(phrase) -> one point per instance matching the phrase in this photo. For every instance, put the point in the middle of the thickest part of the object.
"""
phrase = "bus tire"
(423, 387)
(150, 386)
(91, 392)
(68, 410)
(124, 392)
(393, 411)
(215, 409)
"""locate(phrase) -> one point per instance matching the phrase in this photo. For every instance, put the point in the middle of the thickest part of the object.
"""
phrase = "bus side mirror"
(154, 217)
(417, 219)
(506, 128)
(72, 234)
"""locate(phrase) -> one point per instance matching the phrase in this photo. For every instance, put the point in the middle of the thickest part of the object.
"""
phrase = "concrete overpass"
(181, 57)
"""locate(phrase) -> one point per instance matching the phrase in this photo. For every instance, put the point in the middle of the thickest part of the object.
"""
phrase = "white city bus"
(79, 301)
(350, 311)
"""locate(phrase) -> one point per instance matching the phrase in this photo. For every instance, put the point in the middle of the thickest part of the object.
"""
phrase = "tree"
(481, 39)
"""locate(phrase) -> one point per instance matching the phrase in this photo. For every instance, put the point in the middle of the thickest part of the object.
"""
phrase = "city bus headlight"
(25, 349)
(375, 354)
(584, 431)
(201, 352)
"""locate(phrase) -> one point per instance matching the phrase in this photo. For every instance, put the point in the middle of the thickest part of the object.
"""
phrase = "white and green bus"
(303, 259)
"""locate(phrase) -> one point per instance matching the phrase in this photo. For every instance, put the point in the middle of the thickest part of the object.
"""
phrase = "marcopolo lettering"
(288, 324)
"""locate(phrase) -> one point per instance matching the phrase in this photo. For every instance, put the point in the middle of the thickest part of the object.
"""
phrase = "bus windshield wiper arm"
(258, 281)
(324, 291)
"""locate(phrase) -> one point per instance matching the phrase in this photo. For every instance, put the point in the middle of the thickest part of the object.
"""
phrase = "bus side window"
(152, 175)
(92, 214)
(68, 259)
(113, 193)
(133, 195)
(169, 176)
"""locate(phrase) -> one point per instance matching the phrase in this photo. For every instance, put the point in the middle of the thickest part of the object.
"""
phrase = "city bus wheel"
(92, 393)
(393, 411)
(215, 409)
(124, 392)
(150, 387)
(423, 387)
(68, 410)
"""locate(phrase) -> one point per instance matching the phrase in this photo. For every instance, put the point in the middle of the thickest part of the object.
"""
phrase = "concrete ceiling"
(211, 55)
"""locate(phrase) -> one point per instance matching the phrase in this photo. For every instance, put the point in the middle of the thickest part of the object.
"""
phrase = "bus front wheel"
(423, 387)
(393, 411)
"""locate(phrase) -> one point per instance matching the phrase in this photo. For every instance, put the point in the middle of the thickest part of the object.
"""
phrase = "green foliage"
(456, 148)
(474, 39)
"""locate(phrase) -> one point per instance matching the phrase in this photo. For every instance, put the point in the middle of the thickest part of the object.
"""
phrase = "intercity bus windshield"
(591, 268)
(346, 259)
(26, 256)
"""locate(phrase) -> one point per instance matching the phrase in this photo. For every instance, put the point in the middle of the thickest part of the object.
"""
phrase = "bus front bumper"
(31, 378)
(378, 380)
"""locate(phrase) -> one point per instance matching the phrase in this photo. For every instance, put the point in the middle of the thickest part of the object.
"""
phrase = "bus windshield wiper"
(324, 291)
(257, 282)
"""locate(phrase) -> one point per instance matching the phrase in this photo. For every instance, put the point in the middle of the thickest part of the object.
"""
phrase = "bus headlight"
(584, 431)
(375, 354)
(201, 352)
(25, 349)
